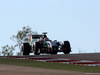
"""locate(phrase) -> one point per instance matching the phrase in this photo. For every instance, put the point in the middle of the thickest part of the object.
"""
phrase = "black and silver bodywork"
(38, 45)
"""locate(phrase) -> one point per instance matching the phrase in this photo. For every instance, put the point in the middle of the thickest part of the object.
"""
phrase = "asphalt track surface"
(82, 56)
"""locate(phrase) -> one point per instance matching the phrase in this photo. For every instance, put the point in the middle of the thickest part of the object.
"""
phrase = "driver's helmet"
(46, 39)
(45, 36)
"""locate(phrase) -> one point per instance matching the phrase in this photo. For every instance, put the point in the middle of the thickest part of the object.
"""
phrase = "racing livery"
(42, 44)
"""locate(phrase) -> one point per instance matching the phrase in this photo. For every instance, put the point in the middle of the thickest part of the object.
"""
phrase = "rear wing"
(35, 36)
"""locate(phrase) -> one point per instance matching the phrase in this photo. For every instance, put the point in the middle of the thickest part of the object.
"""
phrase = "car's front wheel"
(66, 47)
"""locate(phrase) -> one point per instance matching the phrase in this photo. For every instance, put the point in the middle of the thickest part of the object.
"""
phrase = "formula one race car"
(41, 44)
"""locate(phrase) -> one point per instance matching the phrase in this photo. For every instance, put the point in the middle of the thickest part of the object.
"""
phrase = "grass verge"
(47, 65)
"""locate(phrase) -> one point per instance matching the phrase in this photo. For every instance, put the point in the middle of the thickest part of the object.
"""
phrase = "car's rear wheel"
(54, 50)
(66, 47)
(37, 48)
(26, 48)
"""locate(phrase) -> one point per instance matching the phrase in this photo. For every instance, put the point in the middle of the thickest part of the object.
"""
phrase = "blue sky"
(75, 20)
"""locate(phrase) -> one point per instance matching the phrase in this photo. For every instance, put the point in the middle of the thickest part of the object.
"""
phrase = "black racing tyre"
(37, 48)
(26, 48)
(58, 44)
(54, 50)
(67, 48)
